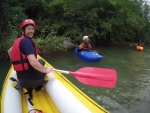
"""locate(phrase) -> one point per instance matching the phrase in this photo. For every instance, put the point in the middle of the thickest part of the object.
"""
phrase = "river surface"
(132, 91)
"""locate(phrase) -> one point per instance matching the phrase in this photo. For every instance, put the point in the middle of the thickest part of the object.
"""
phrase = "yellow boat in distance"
(139, 48)
(58, 96)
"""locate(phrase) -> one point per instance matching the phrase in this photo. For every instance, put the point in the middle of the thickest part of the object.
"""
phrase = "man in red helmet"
(23, 54)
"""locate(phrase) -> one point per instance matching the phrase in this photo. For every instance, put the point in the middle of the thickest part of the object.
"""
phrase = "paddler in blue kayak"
(85, 45)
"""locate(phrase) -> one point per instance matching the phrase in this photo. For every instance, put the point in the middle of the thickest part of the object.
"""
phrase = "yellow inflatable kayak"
(139, 48)
(58, 96)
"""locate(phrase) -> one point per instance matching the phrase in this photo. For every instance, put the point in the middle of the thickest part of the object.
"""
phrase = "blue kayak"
(90, 55)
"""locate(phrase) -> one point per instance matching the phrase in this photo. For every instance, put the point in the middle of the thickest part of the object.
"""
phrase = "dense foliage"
(104, 21)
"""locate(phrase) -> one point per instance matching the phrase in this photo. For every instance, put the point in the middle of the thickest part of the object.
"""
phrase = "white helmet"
(85, 37)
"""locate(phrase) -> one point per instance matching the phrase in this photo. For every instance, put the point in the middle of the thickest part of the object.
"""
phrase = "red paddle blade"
(100, 77)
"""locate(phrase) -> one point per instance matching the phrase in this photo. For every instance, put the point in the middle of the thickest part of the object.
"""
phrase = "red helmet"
(26, 22)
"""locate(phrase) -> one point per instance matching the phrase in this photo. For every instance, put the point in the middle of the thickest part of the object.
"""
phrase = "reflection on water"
(131, 94)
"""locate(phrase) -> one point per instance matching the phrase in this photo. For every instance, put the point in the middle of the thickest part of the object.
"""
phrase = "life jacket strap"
(19, 62)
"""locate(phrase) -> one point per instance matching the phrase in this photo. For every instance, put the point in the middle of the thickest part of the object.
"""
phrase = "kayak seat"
(17, 86)
(23, 90)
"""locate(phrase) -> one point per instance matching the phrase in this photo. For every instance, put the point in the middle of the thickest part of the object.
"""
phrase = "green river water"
(132, 91)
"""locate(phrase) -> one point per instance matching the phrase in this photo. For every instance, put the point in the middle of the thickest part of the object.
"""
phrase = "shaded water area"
(131, 94)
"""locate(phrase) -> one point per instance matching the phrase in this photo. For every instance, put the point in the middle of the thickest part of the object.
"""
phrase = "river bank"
(4, 55)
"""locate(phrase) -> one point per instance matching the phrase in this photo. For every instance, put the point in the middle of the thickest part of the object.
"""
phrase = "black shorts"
(31, 78)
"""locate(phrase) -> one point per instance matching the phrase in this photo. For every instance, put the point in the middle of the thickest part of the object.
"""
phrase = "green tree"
(104, 21)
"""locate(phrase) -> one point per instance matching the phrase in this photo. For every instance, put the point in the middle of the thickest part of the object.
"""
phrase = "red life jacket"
(19, 60)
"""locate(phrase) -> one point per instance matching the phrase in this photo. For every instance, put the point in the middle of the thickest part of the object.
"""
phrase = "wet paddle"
(99, 77)
(68, 43)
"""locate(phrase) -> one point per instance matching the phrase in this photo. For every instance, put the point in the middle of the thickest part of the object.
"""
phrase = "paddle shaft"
(61, 71)
(84, 74)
